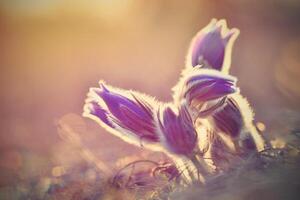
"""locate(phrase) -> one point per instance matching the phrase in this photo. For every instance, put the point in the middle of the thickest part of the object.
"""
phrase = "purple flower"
(236, 121)
(204, 90)
(127, 114)
(177, 130)
(229, 120)
(208, 116)
(208, 46)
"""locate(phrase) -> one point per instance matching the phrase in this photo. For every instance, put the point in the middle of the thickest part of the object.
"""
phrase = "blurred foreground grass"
(76, 172)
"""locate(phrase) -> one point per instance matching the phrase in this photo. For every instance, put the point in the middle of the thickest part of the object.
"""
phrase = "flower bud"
(229, 120)
(209, 45)
(177, 131)
(127, 114)
(204, 90)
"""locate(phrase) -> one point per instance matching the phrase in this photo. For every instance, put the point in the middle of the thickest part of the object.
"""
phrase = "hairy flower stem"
(201, 171)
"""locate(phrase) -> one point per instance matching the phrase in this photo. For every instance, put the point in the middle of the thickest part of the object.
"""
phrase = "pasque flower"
(211, 48)
(180, 138)
(131, 115)
(204, 90)
(206, 99)
(236, 120)
(209, 45)
(168, 127)
(125, 113)
(177, 130)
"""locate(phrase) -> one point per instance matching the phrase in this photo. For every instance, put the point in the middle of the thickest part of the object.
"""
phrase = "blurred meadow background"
(52, 51)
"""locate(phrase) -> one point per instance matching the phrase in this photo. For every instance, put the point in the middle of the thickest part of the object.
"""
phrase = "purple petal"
(204, 85)
(97, 111)
(177, 129)
(229, 120)
(210, 91)
(115, 100)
